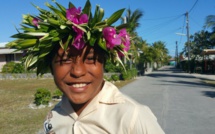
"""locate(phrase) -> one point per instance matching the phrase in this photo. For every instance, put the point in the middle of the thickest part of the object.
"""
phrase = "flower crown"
(76, 27)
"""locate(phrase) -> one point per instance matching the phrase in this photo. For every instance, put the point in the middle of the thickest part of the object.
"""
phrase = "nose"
(78, 69)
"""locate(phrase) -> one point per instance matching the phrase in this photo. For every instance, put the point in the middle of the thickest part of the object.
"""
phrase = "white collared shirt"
(110, 112)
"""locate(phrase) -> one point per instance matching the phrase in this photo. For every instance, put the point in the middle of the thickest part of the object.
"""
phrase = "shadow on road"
(209, 93)
(168, 75)
(172, 72)
(190, 84)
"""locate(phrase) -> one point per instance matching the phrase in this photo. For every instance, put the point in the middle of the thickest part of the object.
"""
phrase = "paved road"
(182, 103)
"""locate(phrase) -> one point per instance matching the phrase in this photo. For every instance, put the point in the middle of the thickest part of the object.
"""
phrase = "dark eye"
(66, 61)
(90, 60)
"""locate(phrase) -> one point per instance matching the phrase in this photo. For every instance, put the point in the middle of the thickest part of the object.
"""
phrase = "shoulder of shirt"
(128, 102)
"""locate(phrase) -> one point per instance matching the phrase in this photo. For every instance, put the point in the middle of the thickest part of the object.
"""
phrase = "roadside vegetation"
(199, 41)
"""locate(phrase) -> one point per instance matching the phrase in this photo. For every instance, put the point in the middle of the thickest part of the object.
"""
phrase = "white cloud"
(2, 44)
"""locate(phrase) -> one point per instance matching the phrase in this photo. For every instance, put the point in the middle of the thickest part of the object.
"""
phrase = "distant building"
(172, 62)
(7, 55)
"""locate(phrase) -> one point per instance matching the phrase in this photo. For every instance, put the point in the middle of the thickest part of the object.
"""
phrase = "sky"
(161, 21)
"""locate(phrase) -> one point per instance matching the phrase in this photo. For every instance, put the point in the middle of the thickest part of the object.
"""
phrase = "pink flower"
(75, 16)
(79, 42)
(73, 13)
(112, 39)
(125, 39)
(35, 21)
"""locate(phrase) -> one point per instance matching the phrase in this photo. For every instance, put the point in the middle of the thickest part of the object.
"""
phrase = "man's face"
(78, 74)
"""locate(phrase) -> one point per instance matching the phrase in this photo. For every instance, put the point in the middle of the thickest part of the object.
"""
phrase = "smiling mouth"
(79, 85)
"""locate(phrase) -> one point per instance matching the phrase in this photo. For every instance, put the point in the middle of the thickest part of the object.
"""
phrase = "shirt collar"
(110, 94)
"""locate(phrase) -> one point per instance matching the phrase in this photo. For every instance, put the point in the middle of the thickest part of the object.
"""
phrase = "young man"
(75, 46)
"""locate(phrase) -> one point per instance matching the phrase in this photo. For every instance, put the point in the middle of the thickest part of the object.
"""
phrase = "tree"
(198, 42)
(210, 23)
(132, 19)
(160, 52)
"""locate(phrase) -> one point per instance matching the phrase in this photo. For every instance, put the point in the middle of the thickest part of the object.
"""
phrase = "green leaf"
(44, 37)
(62, 8)
(45, 51)
(53, 22)
(36, 34)
(22, 36)
(115, 16)
(12, 44)
(65, 46)
(58, 12)
(71, 5)
(88, 35)
(87, 8)
(30, 61)
(119, 61)
(27, 43)
(100, 25)
(62, 27)
(102, 44)
(122, 26)
(44, 27)
(92, 41)
(95, 17)
(42, 67)
(101, 14)
(78, 26)
(53, 33)
(56, 39)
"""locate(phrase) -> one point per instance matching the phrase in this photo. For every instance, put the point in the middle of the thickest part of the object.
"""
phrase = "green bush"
(129, 74)
(115, 77)
(134, 72)
(126, 75)
(57, 94)
(18, 68)
(42, 96)
(110, 67)
(12, 67)
(8, 67)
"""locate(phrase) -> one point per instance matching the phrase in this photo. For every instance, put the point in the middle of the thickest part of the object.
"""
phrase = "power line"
(193, 6)
(162, 18)
(159, 26)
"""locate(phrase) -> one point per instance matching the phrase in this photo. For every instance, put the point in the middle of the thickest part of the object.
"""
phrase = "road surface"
(182, 103)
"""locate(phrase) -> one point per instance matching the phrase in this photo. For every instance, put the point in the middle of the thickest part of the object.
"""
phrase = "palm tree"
(210, 22)
(132, 19)
(160, 52)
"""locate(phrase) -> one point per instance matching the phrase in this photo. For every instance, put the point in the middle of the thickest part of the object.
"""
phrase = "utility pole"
(188, 40)
(176, 53)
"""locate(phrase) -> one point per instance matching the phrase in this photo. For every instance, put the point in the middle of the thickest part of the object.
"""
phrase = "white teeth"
(79, 85)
